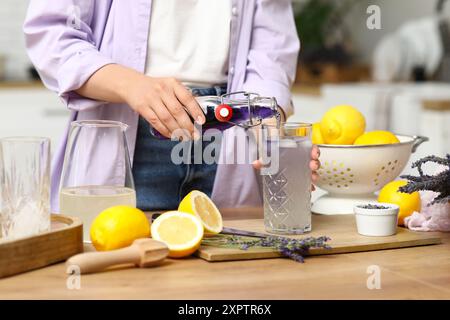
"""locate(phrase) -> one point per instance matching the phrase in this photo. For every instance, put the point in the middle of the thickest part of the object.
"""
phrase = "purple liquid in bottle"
(242, 113)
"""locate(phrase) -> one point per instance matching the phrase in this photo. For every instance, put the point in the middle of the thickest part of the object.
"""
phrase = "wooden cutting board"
(340, 228)
(64, 240)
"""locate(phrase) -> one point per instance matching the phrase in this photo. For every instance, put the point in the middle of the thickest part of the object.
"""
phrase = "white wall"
(393, 14)
(12, 43)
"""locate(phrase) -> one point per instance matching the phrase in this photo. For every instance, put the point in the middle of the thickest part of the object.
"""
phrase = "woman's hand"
(314, 164)
(163, 102)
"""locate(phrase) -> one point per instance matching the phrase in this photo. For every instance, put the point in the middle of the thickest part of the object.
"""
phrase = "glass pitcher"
(96, 173)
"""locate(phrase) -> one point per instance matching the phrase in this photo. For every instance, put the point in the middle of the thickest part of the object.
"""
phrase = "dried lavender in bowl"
(294, 249)
(373, 206)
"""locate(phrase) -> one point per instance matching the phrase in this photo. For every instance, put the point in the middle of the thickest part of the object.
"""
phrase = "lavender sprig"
(294, 249)
(439, 183)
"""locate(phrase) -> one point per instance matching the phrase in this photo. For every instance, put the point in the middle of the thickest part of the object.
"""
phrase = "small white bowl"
(376, 222)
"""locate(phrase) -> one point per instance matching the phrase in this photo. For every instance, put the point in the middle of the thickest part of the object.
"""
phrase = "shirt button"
(234, 11)
(232, 70)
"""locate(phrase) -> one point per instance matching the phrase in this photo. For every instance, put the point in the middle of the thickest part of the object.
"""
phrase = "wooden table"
(411, 273)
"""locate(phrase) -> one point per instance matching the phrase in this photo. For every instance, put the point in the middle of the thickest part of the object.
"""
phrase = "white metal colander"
(352, 173)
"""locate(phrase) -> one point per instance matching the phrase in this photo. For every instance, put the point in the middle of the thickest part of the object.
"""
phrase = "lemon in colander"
(376, 137)
(317, 134)
(342, 125)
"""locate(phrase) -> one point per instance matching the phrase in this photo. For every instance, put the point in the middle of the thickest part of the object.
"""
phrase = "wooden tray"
(63, 241)
(340, 228)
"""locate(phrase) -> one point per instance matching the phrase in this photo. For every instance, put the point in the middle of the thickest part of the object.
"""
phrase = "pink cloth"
(431, 218)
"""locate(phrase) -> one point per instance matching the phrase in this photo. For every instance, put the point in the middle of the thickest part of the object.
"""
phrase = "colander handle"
(418, 140)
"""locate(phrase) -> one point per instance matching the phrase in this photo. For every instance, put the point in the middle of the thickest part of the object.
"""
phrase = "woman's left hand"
(314, 164)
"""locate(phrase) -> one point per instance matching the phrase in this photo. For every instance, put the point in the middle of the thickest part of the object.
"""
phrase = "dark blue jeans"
(161, 184)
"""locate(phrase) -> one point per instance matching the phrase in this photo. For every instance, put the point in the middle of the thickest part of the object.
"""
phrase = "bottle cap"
(223, 113)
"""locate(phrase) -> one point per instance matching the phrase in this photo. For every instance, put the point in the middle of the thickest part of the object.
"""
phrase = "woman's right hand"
(165, 103)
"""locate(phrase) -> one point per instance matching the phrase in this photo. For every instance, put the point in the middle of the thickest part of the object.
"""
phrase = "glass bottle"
(241, 109)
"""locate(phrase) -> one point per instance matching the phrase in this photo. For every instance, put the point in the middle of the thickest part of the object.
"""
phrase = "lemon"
(342, 125)
(408, 203)
(180, 231)
(118, 227)
(200, 205)
(376, 137)
(316, 134)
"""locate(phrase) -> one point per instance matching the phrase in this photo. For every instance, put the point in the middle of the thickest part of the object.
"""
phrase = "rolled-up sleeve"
(273, 54)
(62, 46)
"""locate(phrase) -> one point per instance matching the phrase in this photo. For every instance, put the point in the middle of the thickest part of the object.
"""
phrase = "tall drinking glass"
(96, 172)
(286, 153)
(24, 186)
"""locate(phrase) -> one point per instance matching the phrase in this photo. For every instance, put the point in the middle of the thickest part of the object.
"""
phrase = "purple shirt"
(263, 57)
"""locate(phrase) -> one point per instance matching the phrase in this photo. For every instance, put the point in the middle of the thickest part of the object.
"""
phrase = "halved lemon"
(180, 231)
(200, 205)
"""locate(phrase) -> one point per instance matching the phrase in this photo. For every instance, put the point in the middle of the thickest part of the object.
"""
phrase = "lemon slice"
(180, 231)
(200, 205)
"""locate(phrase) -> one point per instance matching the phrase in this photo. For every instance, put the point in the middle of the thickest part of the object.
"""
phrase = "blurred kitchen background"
(398, 75)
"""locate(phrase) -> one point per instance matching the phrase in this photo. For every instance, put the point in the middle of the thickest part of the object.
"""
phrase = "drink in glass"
(287, 179)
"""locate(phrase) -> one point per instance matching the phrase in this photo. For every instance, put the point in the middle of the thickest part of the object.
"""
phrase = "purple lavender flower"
(245, 246)
(294, 249)
(292, 255)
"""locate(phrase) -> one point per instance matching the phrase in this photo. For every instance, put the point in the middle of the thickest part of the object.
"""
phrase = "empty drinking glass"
(286, 153)
(96, 172)
(25, 186)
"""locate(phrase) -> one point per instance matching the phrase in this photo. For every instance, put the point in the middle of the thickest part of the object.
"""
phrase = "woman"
(135, 61)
